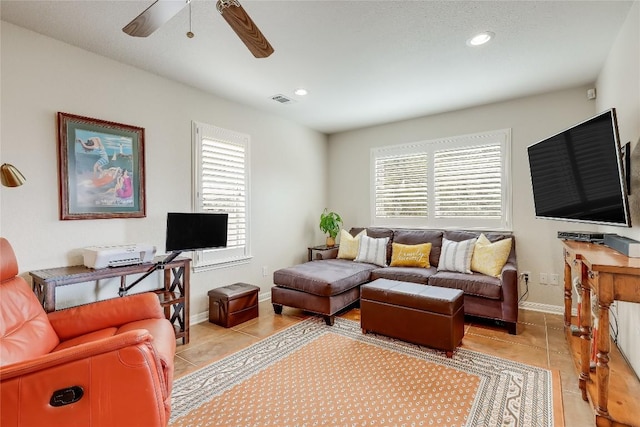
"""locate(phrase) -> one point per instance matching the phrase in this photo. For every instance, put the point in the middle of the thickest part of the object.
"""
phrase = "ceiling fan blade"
(154, 17)
(244, 27)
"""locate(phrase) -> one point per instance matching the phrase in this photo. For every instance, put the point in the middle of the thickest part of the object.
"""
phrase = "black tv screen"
(194, 231)
(577, 174)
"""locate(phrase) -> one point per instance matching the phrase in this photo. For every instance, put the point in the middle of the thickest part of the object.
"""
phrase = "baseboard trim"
(199, 318)
(546, 308)
(526, 305)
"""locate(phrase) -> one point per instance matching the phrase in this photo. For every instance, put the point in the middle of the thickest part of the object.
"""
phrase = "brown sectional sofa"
(328, 285)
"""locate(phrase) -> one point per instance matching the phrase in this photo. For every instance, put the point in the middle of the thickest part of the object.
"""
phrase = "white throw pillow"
(456, 256)
(373, 251)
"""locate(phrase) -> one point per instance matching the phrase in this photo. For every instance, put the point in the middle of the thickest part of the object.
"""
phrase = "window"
(461, 181)
(221, 184)
(400, 182)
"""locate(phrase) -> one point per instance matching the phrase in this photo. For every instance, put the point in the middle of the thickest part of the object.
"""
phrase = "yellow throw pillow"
(349, 245)
(410, 255)
(489, 258)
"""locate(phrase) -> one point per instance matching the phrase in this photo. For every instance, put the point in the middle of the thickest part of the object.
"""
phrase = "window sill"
(222, 264)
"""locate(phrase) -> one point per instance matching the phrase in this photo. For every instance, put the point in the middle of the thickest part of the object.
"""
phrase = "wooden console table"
(174, 296)
(608, 276)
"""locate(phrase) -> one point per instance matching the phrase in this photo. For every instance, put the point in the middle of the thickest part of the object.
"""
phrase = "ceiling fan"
(241, 23)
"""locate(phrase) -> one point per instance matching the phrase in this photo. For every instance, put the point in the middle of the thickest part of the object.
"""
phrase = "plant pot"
(331, 242)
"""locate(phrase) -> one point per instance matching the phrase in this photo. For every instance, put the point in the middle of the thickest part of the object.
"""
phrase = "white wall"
(41, 76)
(531, 119)
(618, 86)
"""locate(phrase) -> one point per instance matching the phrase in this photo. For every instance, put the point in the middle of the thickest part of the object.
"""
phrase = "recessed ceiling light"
(300, 92)
(480, 38)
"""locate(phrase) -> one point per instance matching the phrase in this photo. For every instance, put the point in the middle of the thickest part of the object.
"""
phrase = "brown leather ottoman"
(421, 314)
(233, 304)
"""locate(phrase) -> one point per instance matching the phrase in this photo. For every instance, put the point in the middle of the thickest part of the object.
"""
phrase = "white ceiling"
(363, 62)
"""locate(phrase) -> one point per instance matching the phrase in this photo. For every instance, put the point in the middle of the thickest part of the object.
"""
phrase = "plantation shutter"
(223, 179)
(468, 182)
(401, 186)
(454, 182)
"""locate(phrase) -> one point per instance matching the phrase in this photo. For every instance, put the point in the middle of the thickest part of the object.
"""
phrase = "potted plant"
(330, 223)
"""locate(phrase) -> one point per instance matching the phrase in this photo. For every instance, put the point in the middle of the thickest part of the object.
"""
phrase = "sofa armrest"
(509, 281)
(72, 322)
(327, 254)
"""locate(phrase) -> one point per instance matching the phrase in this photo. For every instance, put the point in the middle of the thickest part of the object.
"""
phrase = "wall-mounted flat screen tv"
(194, 231)
(578, 174)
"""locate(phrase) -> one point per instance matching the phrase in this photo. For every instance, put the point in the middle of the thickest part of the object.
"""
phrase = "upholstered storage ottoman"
(233, 304)
(421, 314)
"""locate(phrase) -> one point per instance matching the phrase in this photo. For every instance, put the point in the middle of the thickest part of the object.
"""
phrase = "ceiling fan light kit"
(161, 11)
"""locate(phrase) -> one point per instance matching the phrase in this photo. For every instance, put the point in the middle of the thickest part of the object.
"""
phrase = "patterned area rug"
(312, 374)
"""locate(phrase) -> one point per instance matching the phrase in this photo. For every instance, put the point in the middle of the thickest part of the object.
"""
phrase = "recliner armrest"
(121, 379)
(79, 352)
(72, 322)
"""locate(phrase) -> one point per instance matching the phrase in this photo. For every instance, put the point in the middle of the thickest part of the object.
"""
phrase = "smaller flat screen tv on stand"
(195, 231)
(188, 231)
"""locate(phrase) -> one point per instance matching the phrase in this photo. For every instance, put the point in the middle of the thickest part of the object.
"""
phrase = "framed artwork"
(101, 169)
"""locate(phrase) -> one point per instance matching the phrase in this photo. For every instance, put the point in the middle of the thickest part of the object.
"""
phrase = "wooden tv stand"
(608, 276)
(174, 296)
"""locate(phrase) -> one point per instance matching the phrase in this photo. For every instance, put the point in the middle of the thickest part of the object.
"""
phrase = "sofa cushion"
(373, 251)
(460, 235)
(410, 255)
(417, 236)
(324, 278)
(25, 331)
(404, 274)
(471, 284)
(456, 256)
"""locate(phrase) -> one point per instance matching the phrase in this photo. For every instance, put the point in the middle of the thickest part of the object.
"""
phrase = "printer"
(118, 255)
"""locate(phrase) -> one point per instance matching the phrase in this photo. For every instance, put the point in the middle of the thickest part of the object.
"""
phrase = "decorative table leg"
(602, 364)
(585, 336)
(567, 295)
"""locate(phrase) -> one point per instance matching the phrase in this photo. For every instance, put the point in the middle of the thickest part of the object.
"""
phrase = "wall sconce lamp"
(11, 176)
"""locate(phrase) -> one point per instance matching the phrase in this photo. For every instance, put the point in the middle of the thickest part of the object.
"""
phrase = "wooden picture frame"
(100, 169)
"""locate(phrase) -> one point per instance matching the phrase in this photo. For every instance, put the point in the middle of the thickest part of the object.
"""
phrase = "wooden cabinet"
(605, 275)
(174, 296)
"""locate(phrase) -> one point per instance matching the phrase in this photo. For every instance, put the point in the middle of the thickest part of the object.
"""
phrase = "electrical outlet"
(264, 271)
(525, 275)
(543, 279)
(554, 280)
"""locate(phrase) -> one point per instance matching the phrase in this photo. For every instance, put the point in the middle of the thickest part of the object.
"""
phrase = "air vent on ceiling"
(282, 99)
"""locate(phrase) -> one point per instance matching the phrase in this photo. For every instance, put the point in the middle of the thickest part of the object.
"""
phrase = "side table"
(320, 248)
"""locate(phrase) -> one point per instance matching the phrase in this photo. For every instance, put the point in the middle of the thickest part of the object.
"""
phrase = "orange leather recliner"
(104, 364)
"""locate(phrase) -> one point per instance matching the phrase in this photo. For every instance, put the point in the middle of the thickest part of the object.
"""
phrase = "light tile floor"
(540, 341)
